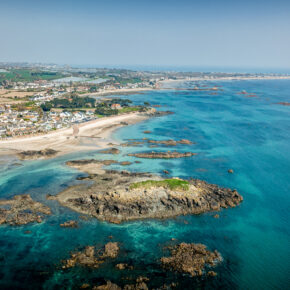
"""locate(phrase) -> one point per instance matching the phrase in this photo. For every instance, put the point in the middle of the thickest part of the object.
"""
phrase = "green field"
(26, 75)
(172, 184)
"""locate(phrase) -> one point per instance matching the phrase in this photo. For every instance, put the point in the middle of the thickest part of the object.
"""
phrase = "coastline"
(93, 135)
(120, 92)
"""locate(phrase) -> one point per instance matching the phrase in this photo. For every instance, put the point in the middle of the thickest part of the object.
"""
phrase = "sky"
(202, 33)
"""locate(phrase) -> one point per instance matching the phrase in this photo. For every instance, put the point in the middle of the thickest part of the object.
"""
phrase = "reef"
(118, 196)
(34, 154)
(284, 103)
(162, 155)
(157, 142)
(192, 259)
(91, 257)
(21, 210)
(69, 224)
(110, 151)
(94, 166)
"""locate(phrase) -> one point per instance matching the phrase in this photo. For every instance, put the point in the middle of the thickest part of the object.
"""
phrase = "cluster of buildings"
(28, 122)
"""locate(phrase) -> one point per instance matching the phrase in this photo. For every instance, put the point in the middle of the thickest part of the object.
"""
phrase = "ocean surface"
(250, 135)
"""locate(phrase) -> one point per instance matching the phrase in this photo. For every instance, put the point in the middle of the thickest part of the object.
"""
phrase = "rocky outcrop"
(156, 113)
(93, 166)
(121, 196)
(34, 154)
(21, 210)
(69, 224)
(191, 259)
(90, 257)
(140, 285)
(157, 142)
(108, 286)
(109, 151)
(284, 103)
(162, 155)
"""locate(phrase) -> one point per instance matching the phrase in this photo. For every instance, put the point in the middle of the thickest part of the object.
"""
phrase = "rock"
(211, 273)
(69, 224)
(118, 196)
(162, 155)
(170, 142)
(185, 141)
(190, 259)
(230, 171)
(34, 154)
(85, 286)
(21, 210)
(89, 257)
(109, 151)
(165, 171)
(123, 266)
(284, 103)
(125, 163)
(132, 144)
(216, 216)
(108, 286)
(155, 113)
(111, 250)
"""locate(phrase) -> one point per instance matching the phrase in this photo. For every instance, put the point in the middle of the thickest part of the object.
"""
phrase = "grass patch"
(172, 184)
(128, 110)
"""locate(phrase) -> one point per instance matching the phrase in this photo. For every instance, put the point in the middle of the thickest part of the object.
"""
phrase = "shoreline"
(120, 92)
(93, 135)
(238, 78)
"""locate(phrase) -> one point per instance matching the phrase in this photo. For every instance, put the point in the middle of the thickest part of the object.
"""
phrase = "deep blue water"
(248, 134)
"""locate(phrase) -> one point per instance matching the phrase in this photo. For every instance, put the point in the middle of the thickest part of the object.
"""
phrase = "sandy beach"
(119, 92)
(92, 135)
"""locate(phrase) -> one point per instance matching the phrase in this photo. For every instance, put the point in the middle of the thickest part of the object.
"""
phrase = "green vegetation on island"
(172, 184)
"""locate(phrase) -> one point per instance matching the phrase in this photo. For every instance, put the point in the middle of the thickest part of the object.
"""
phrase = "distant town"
(36, 98)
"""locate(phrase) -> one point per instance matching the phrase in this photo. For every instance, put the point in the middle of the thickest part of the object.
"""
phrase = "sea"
(249, 133)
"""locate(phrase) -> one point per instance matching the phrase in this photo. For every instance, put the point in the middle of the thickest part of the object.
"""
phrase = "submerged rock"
(34, 154)
(21, 210)
(191, 259)
(121, 196)
(109, 151)
(108, 286)
(162, 155)
(284, 103)
(90, 257)
(69, 224)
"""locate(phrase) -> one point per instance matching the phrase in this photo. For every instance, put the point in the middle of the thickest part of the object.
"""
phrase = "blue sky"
(168, 33)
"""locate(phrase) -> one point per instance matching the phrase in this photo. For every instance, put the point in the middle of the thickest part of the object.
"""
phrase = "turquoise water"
(249, 135)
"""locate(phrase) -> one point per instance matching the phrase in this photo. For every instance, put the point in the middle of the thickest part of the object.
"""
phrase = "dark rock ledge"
(122, 196)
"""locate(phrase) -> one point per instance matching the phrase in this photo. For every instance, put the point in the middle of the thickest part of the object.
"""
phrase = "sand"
(92, 135)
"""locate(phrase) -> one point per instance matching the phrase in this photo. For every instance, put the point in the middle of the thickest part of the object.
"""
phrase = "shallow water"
(248, 134)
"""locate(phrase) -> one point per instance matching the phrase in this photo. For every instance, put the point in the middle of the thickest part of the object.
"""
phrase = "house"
(116, 106)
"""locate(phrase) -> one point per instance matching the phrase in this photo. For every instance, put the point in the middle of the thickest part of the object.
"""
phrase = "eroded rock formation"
(162, 155)
(90, 257)
(34, 154)
(191, 259)
(121, 196)
(21, 210)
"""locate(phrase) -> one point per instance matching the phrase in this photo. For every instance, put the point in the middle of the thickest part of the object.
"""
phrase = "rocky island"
(21, 210)
(162, 155)
(37, 154)
(118, 196)
(191, 259)
(91, 257)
